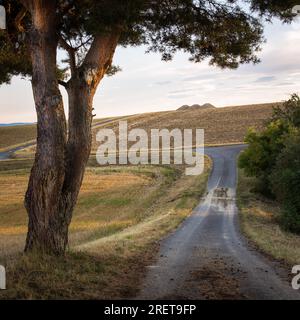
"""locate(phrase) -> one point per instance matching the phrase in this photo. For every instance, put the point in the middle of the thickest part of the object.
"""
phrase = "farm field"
(15, 135)
(121, 214)
(222, 125)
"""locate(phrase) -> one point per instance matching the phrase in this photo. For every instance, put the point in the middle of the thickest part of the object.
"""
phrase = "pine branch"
(71, 52)
(18, 20)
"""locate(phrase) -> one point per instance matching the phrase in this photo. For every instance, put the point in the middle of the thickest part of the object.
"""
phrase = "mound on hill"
(196, 106)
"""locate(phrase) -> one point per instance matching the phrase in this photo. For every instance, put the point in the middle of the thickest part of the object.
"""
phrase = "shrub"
(273, 157)
(289, 112)
(260, 157)
(285, 183)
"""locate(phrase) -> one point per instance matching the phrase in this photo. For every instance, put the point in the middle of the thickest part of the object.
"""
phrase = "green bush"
(260, 157)
(273, 157)
(289, 113)
(285, 183)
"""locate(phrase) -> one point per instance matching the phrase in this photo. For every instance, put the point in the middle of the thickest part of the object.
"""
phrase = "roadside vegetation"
(270, 198)
(122, 213)
(260, 221)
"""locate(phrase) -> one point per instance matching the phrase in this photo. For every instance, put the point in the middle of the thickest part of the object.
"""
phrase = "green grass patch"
(94, 200)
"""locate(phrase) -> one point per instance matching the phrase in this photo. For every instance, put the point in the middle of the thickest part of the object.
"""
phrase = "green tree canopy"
(273, 156)
(222, 31)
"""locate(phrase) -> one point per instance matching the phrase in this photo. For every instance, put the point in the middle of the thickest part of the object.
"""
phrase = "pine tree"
(89, 31)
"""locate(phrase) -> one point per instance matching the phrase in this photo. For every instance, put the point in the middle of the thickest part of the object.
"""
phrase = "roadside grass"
(121, 215)
(260, 223)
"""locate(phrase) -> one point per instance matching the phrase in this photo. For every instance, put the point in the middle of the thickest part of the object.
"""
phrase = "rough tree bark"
(46, 228)
(60, 160)
(81, 90)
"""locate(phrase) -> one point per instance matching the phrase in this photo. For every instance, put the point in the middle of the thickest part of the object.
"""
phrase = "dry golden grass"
(259, 221)
(13, 136)
(121, 214)
(222, 125)
(107, 202)
(18, 135)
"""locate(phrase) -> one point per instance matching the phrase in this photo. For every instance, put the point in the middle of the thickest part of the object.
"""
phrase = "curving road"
(7, 154)
(207, 258)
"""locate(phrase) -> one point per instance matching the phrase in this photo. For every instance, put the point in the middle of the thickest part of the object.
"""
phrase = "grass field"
(121, 214)
(15, 135)
(259, 221)
(222, 125)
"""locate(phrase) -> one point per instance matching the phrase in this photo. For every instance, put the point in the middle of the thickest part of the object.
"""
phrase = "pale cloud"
(178, 96)
(163, 83)
(266, 79)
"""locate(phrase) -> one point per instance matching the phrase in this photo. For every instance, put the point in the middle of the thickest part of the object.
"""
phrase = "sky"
(147, 84)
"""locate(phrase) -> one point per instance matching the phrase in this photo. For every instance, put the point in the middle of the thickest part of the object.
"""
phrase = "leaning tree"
(89, 32)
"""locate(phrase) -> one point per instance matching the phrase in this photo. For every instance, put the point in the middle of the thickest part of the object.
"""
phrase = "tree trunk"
(81, 90)
(47, 229)
(79, 144)
(60, 161)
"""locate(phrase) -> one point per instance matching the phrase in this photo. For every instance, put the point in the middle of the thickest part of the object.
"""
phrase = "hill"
(14, 135)
(221, 125)
(14, 124)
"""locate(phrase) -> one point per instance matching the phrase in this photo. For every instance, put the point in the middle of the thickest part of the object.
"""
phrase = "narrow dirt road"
(207, 257)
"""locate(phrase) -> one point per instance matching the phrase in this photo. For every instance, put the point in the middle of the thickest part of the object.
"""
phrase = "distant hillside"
(221, 125)
(13, 135)
(14, 124)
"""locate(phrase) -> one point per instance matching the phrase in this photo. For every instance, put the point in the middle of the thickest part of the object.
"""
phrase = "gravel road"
(207, 257)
